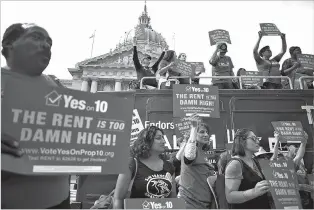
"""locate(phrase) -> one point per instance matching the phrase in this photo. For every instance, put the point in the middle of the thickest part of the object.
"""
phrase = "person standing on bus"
(27, 50)
(195, 168)
(154, 177)
(166, 69)
(245, 185)
(222, 66)
(143, 69)
(269, 67)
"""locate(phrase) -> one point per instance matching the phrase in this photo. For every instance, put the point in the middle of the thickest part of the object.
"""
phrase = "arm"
(181, 151)
(283, 49)
(190, 148)
(257, 58)
(301, 151)
(173, 190)
(276, 151)
(215, 58)
(163, 69)
(122, 187)
(136, 61)
(155, 66)
(286, 71)
(233, 179)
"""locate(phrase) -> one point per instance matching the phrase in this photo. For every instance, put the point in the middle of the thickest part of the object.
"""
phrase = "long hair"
(239, 142)
(168, 56)
(143, 144)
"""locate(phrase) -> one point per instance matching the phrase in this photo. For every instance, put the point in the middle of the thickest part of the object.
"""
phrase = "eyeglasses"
(254, 138)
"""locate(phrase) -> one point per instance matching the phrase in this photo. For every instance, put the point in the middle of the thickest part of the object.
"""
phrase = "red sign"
(290, 131)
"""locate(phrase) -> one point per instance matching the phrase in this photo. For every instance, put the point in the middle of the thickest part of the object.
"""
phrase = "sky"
(71, 23)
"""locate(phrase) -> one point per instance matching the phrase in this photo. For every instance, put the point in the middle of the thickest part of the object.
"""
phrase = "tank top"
(152, 184)
(270, 68)
(250, 179)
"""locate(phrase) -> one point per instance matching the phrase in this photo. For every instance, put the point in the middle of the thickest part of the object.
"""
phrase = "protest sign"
(66, 131)
(219, 35)
(290, 131)
(306, 64)
(247, 80)
(200, 99)
(182, 126)
(197, 67)
(283, 183)
(269, 29)
(184, 68)
(137, 126)
(154, 203)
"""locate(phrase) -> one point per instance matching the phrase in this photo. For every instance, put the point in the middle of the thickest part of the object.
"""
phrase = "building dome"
(150, 39)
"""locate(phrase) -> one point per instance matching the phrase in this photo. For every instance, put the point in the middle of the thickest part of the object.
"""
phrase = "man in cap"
(222, 66)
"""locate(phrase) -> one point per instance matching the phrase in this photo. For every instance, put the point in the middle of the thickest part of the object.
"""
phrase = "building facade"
(114, 70)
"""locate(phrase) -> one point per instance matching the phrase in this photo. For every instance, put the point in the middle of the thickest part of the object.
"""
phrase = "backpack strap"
(132, 181)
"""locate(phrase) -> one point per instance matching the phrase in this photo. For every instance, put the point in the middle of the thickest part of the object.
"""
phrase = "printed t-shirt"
(152, 184)
(27, 192)
(223, 67)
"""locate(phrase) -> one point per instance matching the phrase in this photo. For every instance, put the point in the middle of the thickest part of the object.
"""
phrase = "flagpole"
(91, 54)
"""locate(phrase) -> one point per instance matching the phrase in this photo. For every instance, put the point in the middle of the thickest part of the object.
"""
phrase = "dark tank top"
(250, 179)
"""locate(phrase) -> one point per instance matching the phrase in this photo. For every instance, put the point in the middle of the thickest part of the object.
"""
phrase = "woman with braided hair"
(27, 50)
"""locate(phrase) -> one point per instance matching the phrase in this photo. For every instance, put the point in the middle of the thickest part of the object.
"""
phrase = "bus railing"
(305, 77)
(170, 78)
(223, 77)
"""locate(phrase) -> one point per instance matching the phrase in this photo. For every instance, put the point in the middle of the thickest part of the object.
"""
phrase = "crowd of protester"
(222, 66)
(186, 175)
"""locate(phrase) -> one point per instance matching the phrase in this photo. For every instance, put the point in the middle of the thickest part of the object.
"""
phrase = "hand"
(195, 119)
(276, 135)
(297, 65)
(134, 41)
(260, 34)
(283, 36)
(261, 187)
(165, 48)
(10, 146)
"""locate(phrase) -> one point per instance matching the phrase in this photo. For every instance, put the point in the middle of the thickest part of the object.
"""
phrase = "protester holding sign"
(166, 70)
(290, 67)
(195, 168)
(296, 156)
(269, 67)
(143, 69)
(222, 66)
(27, 49)
(245, 184)
(154, 177)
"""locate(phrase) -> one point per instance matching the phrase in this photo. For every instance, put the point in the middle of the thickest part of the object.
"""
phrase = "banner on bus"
(66, 131)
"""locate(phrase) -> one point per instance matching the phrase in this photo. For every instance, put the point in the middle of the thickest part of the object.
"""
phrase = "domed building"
(114, 70)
